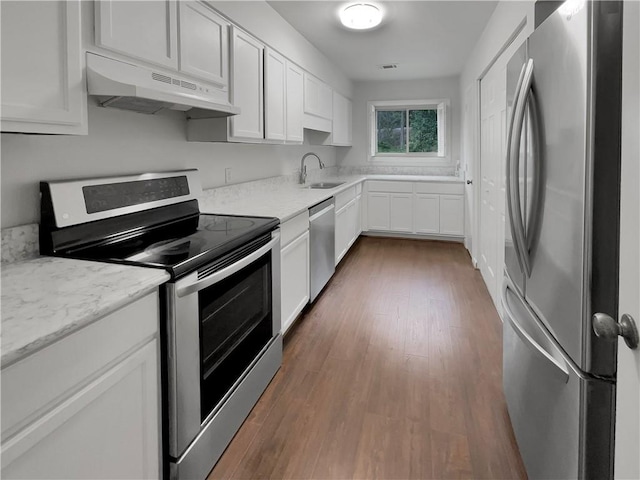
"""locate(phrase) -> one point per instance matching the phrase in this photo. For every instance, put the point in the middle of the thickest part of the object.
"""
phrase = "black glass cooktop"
(181, 246)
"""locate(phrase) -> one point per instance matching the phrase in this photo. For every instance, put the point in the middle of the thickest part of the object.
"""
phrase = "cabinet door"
(203, 43)
(426, 210)
(378, 211)
(451, 215)
(326, 101)
(247, 70)
(295, 279)
(145, 30)
(295, 98)
(341, 120)
(108, 429)
(343, 232)
(318, 97)
(42, 87)
(401, 212)
(275, 75)
(358, 215)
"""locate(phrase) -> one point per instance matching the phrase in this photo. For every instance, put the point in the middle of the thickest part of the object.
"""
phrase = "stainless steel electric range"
(220, 310)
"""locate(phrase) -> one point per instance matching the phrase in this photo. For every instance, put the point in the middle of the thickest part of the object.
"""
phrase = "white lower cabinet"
(294, 263)
(342, 232)
(348, 222)
(379, 212)
(426, 213)
(451, 215)
(358, 217)
(401, 212)
(87, 406)
(424, 208)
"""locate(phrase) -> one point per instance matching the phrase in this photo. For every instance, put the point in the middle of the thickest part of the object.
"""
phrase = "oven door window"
(235, 325)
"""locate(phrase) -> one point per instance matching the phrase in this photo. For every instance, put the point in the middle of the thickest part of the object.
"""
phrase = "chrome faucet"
(303, 167)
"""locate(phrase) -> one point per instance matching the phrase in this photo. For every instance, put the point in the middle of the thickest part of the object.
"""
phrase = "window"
(409, 131)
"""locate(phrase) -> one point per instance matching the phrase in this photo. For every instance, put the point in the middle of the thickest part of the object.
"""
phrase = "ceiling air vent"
(388, 66)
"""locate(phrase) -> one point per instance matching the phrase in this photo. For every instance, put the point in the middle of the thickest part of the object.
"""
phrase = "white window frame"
(440, 158)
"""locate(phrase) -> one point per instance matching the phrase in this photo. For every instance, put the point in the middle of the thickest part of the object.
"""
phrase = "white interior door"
(627, 458)
(493, 107)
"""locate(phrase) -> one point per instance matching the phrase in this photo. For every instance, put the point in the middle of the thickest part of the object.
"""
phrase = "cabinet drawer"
(293, 228)
(35, 384)
(389, 186)
(439, 188)
(345, 197)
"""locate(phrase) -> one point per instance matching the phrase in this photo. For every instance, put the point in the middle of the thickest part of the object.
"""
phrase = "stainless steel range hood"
(131, 87)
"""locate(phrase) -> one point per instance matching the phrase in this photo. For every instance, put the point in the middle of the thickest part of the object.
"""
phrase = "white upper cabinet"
(295, 100)
(318, 104)
(42, 84)
(341, 128)
(203, 43)
(275, 78)
(247, 80)
(145, 30)
(318, 97)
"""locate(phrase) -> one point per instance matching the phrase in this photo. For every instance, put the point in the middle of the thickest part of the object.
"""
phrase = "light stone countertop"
(285, 201)
(46, 298)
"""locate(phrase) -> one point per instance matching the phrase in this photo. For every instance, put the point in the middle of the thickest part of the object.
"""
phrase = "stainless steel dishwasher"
(322, 245)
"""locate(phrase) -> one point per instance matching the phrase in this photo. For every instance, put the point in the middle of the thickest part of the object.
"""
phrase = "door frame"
(508, 48)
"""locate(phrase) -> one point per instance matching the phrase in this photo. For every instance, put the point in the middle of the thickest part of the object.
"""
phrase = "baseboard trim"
(414, 236)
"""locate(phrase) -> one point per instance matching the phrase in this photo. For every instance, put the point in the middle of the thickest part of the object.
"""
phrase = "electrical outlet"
(227, 175)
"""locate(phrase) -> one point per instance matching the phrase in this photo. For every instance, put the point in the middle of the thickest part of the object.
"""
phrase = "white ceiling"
(427, 39)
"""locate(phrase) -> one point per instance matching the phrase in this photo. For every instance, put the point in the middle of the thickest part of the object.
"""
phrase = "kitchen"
(236, 176)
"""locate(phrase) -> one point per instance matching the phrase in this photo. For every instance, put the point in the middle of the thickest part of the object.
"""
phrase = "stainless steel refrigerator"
(561, 247)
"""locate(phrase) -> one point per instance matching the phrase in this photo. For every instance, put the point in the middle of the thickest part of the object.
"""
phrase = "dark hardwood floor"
(394, 373)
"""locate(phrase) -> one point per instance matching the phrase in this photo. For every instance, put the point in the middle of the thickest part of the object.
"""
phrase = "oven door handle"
(189, 288)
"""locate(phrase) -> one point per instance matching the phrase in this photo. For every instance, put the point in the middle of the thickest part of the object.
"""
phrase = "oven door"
(224, 316)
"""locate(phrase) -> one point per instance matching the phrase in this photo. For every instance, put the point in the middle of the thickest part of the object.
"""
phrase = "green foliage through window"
(407, 131)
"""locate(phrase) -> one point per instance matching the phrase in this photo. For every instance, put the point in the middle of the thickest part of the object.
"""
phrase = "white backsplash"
(232, 193)
(395, 170)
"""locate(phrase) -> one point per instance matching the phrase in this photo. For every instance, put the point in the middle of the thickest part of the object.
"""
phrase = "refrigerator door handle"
(528, 339)
(536, 196)
(510, 169)
(517, 223)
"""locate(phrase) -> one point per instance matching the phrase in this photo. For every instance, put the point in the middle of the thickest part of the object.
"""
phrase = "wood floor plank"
(394, 372)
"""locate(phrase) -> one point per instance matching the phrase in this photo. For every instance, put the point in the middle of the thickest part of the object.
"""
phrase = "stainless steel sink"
(325, 185)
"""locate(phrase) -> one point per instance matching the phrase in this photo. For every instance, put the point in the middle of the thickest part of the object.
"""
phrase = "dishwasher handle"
(321, 212)
(321, 208)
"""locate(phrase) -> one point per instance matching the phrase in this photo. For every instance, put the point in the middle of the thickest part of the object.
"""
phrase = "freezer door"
(552, 405)
(558, 50)
(514, 82)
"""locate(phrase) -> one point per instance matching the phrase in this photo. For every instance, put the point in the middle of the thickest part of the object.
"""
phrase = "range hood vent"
(131, 87)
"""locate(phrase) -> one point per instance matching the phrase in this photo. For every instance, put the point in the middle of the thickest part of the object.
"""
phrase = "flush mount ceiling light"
(361, 16)
(570, 7)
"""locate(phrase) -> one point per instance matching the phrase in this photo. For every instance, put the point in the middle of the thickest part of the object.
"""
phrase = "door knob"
(607, 328)
(469, 182)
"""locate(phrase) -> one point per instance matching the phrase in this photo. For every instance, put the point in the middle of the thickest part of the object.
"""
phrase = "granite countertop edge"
(37, 312)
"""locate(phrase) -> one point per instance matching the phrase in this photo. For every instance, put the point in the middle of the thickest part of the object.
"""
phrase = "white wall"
(509, 18)
(364, 92)
(121, 142)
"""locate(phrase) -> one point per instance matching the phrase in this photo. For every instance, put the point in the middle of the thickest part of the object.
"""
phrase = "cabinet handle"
(469, 182)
